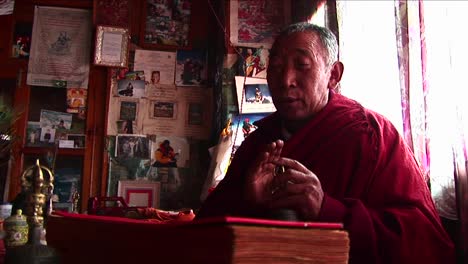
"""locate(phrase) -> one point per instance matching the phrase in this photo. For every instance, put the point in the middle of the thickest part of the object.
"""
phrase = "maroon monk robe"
(370, 178)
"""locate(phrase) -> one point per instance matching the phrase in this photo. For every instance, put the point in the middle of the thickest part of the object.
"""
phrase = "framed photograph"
(253, 95)
(163, 109)
(243, 125)
(132, 146)
(54, 119)
(33, 134)
(180, 146)
(126, 126)
(252, 62)
(131, 88)
(195, 113)
(249, 19)
(111, 46)
(128, 110)
(79, 140)
(140, 193)
(166, 23)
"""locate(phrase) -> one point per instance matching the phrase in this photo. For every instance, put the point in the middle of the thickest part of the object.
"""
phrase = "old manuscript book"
(99, 239)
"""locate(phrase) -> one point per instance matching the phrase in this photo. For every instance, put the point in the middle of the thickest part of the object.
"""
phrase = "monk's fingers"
(284, 175)
(275, 148)
(291, 189)
(291, 163)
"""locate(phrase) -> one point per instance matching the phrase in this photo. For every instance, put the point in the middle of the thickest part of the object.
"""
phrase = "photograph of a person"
(132, 146)
(155, 77)
(243, 125)
(131, 88)
(163, 109)
(56, 120)
(179, 145)
(47, 135)
(135, 75)
(33, 133)
(257, 94)
(78, 139)
(253, 95)
(125, 126)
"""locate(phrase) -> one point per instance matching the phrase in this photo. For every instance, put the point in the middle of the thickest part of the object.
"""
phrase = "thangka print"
(255, 23)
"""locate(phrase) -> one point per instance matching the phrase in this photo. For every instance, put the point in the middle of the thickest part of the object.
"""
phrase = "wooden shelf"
(60, 151)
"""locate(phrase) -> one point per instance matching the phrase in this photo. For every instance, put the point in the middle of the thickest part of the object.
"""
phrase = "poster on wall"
(256, 23)
(61, 43)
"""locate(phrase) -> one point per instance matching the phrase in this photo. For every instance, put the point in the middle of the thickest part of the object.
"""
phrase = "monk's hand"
(297, 188)
(260, 174)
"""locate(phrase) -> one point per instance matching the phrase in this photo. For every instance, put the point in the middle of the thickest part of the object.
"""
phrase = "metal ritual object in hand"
(280, 169)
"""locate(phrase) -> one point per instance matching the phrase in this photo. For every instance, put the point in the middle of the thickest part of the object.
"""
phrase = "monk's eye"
(302, 64)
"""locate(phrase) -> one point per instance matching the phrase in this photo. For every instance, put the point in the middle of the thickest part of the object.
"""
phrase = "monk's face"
(298, 76)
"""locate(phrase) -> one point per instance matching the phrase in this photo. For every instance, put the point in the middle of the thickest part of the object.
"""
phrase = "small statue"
(75, 200)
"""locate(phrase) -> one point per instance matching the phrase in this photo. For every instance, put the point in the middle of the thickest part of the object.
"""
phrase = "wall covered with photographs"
(159, 113)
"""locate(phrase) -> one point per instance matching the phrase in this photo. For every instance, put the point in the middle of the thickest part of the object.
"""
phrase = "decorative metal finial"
(37, 182)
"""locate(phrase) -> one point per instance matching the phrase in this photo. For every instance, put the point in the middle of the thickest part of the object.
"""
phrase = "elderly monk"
(327, 158)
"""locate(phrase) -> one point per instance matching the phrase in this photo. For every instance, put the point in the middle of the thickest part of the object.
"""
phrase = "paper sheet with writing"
(60, 51)
(152, 60)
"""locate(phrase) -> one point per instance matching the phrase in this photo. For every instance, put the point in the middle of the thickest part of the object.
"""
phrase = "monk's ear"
(336, 72)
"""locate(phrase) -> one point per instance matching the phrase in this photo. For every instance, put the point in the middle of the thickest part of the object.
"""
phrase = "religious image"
(252, 62)
(167, 22)
(76, 99)
(22, 40)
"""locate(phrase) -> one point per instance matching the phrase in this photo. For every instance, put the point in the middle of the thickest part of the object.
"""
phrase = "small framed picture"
(111, 46)
(132, 146)
(166, 24)
(140, 193)
(79, 140)
(163, 109)
(195, 113)
(128, 110)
